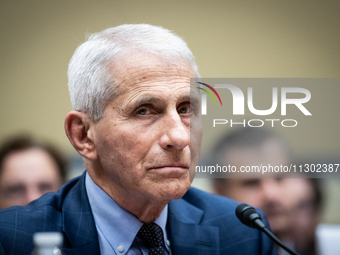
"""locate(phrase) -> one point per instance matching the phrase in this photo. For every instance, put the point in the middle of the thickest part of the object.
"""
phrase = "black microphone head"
(247, 215)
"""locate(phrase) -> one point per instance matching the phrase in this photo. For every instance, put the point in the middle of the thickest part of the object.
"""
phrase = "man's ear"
(77, 126)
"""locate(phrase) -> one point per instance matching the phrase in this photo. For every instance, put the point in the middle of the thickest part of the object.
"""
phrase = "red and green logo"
(209, 93)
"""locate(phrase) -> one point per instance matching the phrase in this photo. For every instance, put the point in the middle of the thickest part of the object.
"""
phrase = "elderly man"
(138, 128)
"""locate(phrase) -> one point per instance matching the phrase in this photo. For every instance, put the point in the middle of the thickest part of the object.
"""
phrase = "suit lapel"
(187, 236)
(79, 227)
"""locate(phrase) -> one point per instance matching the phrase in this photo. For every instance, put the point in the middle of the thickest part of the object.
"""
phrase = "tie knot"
(152, 234)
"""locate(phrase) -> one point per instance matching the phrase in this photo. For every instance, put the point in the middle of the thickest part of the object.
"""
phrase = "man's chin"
(278, 224)
(173, 190)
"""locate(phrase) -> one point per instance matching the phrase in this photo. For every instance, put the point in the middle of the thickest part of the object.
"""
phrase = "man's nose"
(32, 194)
(271, 190)
(176, 132)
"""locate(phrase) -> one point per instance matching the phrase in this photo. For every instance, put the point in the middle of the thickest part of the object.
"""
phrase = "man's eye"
(184, 109)
(45, 187)
(143, 111)
(15, 191)
(251, 183)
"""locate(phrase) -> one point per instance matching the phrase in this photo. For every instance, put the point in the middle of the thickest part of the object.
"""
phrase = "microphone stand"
(249, 217)
(277, 241)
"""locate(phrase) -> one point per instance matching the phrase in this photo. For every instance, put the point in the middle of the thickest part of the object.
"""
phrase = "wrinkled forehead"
(145, 69)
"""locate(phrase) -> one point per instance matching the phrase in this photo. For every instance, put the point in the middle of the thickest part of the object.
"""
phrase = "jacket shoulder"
(219, 211)
(210, 203)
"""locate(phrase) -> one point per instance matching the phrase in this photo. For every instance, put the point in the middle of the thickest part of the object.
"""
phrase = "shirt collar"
(118, 225)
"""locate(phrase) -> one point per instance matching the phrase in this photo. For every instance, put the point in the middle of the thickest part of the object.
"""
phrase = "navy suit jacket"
(199, 223)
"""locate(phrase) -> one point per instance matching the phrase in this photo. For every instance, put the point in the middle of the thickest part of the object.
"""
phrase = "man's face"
(27, 175)
(143, 140)
(268, 194)
(306, 213)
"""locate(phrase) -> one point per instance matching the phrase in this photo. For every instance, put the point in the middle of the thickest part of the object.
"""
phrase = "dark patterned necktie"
(152, 234)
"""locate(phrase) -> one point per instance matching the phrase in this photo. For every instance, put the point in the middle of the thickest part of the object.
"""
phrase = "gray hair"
(91, 86)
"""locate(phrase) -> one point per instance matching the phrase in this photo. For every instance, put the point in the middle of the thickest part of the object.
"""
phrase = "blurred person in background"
(28, 170)
(253, 147)
(307, 194)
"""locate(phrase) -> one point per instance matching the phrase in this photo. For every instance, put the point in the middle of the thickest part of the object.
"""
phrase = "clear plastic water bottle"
(47, 243)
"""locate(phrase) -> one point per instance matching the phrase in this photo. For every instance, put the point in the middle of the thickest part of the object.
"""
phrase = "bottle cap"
(48, 239)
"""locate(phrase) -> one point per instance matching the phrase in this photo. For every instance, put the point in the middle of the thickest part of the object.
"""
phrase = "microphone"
(248, 216)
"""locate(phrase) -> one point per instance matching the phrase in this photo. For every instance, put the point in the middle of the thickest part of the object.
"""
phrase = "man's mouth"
(174, 165)
(171, 170)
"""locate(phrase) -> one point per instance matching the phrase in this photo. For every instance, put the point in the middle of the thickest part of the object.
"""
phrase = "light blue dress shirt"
(117, 228)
